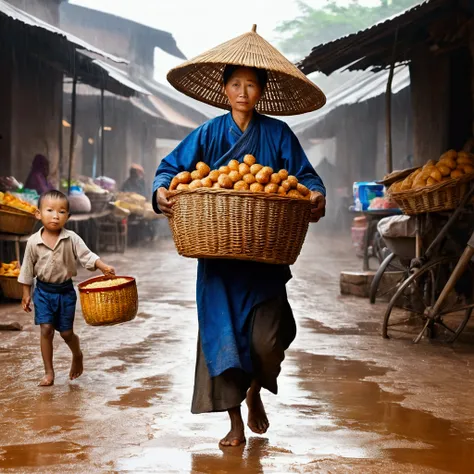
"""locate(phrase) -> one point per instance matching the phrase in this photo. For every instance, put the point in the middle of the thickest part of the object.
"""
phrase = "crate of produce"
(16, 216)
(9, 285)
(106, 301)
(234, 213)
(99, 201)
(437, 186)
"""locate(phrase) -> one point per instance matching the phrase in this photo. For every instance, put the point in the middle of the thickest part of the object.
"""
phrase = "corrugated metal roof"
(19, 15)
(361, 86)
(120, 76)
(374, 45)
(77, 15)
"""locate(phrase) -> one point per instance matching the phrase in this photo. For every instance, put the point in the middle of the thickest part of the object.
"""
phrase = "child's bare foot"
(235, 437)
(257, 420)
(76, 367)
(47, 380)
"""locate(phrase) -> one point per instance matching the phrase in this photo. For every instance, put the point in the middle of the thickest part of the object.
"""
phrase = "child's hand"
(108, 270)
(26, 304)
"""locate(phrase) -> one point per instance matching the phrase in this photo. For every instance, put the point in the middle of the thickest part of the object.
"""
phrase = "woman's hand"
(318, 206)
(165, 205)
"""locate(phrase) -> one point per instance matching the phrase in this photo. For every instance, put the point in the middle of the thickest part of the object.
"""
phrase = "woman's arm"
(297, 163)
(183, 158)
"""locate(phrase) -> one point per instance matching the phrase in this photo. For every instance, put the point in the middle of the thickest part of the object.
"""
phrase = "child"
(50, 256)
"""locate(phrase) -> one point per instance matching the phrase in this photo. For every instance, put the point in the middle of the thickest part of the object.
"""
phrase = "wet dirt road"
(349, 401)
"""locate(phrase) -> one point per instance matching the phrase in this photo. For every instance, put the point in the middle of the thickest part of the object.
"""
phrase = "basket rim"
(6, 277)
(232, 192)
(14, 211)
(411, 193)
(131, 281)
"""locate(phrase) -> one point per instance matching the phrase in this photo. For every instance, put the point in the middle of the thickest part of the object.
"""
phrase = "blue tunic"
(227, 290)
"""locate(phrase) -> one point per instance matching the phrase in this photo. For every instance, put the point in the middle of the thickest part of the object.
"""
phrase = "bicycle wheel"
(406, 314)
(389, 276)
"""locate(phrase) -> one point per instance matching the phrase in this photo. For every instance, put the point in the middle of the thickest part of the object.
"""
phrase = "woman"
(245, 321)
(135, 183)
(38, 177)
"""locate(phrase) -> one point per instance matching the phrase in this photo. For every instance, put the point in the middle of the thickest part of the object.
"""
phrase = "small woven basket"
(439, 197)
(239, 225)
(16, 222)
(99, 202)
(11, 289)
(108, 305)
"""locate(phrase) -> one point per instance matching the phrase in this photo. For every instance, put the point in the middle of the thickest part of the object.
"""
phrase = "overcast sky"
(198, 25)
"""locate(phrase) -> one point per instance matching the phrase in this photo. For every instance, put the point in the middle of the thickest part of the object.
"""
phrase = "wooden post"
(388, 110)
(60, 137)
(73, 132)
(102, 137)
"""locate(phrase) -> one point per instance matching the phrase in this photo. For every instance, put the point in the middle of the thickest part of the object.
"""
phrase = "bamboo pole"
(102, 135)
(73, 132)
(60, 131)
(388, 110)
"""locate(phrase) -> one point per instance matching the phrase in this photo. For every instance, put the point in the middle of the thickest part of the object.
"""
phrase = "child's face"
(53, 213)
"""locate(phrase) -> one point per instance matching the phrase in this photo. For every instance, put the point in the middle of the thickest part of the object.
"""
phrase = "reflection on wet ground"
(348, 401)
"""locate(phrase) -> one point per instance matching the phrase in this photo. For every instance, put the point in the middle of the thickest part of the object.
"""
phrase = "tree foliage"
(316, 25)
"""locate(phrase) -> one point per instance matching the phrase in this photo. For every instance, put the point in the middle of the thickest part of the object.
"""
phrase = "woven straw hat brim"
(288, 90)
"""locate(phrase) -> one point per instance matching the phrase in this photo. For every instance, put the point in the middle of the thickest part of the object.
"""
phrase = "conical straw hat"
(288, 90)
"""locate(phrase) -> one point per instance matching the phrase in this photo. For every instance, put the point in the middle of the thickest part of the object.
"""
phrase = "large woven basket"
(99, 202)
(11, 289)
(108, 305)
(439, 197)
(216, 223)
(16, 222)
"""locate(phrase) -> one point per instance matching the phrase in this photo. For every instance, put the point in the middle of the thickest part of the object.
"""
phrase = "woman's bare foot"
(47, 380)
(236, 436)
(257, 420)
(76, 367)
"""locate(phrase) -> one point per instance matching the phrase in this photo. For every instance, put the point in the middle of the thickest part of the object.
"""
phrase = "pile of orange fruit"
(246, 176)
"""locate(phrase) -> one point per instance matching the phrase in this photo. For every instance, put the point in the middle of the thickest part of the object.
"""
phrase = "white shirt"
(58, 264)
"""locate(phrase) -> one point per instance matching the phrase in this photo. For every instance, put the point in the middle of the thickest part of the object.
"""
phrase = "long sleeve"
(297, 162)
(183, 158)
(27, 271)
(86, 257)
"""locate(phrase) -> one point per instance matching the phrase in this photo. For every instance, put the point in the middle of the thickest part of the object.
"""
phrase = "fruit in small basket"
(224, 170)
(244, 169)
(11, 269)
(443, 169)
(254, 169)
(207, 182)
(457, 173)
(271, 188)
(233, 165)
(214, 175)
(203, 168)
(257, 188)
(263, 177)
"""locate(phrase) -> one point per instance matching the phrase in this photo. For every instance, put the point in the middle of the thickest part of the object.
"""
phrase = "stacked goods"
(106, 283)
(7, 199)
(436, 186)
(11, 269)
(242, 211)
(246, 176)
(9, 273)
(133, 202)
(16, 216)
(451, 165)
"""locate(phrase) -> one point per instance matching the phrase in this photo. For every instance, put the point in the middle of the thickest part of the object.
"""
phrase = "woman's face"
(243, 90)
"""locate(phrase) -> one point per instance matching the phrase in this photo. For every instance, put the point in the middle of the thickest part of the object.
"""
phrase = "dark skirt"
(272, 329)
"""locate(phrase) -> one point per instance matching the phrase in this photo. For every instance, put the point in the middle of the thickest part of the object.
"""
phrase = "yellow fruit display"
(451, 165)
(11, 269)
(9, 200)
(250, 176)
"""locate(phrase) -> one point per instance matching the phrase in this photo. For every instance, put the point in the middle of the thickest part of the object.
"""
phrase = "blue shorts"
(55, 304)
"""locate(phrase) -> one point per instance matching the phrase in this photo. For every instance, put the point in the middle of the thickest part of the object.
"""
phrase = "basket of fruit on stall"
(106, 301)
(16, 216)
(9, 273)
(242, 211)
(437, 186)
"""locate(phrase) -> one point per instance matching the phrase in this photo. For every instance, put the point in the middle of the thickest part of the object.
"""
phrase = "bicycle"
(437, 298)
